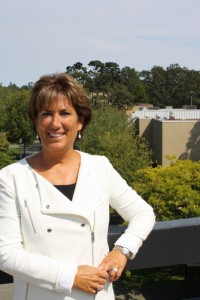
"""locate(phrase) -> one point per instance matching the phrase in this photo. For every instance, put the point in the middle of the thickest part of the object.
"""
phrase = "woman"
(54, 206)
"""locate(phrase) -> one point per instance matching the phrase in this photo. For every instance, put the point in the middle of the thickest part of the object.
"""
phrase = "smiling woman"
(59, 86)
(58, 126)
(54, 217)
(60, 110)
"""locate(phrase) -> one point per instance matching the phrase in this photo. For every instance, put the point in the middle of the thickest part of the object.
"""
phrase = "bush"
(173, 192)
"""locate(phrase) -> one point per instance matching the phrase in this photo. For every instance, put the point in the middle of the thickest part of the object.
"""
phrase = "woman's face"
(58, 125)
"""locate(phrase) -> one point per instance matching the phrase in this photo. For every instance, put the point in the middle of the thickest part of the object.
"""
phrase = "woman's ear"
(81, 122)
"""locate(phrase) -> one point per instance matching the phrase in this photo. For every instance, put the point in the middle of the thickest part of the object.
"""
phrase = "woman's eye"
(65, 113)
(46, 113)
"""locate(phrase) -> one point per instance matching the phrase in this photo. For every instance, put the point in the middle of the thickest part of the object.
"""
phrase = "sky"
(40, 37)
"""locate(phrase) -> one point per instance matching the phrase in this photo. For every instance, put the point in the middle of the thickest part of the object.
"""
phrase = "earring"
(79, 135)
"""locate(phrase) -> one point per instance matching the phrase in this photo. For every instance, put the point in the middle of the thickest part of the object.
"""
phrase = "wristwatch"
(123, 250)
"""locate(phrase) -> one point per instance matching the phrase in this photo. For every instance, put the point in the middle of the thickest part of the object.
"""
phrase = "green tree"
(155, 84)
(111, 134)
(7, 94)
(104, 75)
(18, 125)
(172, 86)
(80, 73)
(118, 96)
(131, 79)
(5, 159)
(4, 144)
(7, 156)
(175, 84)
(106, 82)
(174, 191)
(192, 87)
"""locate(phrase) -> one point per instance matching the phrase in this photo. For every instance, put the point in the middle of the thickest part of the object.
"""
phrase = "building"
(170, 132)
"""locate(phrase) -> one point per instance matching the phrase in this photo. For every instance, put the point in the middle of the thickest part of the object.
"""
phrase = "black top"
(67, 190)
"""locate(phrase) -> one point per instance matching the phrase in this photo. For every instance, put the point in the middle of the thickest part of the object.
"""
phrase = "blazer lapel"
(86, 197)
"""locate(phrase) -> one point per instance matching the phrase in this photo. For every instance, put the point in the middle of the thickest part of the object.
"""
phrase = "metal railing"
(170, 243)
(175, 242)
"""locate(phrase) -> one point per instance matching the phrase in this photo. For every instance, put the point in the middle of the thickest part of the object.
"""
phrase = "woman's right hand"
(90, 279)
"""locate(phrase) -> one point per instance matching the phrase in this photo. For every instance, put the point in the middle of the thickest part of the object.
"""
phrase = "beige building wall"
(180, 138)
(176, 137)
(157, 146)
(144, 128)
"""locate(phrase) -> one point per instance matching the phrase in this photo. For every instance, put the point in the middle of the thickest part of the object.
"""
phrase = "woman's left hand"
(114, 264)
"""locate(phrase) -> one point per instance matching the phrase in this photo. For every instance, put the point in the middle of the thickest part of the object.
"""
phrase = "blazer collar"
(86, 197)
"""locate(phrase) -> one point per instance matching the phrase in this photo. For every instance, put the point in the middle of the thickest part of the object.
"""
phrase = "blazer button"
(83, 224)
(49, 230)
(47, 206)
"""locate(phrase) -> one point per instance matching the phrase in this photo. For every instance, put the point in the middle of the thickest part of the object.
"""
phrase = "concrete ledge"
(170, 243)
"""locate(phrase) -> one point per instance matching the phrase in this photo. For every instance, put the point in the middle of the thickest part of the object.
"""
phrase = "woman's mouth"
(55, 135)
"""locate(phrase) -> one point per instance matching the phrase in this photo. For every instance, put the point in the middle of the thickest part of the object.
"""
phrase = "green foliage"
(4, 159)
(18, 125)
(5, 98)
(7, 157)
(4, 144)
(174, 191)
(172, 86)
(119, 87)
(119, 97)
(110, 134)
(160, 277)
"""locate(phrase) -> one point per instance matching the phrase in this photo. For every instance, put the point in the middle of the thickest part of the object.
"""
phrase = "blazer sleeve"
(132, 208)
(30, 267)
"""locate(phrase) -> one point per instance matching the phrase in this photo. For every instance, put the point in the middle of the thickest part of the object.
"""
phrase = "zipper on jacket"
(30, 215)
(93, 237)
(93, 240)
(27, 286)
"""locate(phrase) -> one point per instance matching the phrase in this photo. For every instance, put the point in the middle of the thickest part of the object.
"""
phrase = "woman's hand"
(114, 264)
(90, 279)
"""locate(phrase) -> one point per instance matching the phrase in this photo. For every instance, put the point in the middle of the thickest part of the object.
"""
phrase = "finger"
(101, 281)
(116, 277)
(102, 276)
(103, 267)
(96, 289)
(100, 288)
(93, 291)
(114, 274)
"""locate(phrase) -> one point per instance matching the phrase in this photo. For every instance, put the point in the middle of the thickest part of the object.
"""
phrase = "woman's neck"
(53, 158)
(59, 171)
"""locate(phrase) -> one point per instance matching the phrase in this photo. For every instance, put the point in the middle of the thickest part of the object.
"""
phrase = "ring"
(115, 269)
(99, 289)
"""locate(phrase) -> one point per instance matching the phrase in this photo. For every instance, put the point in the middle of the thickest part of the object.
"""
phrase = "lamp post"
(20, 148)
(191, 93)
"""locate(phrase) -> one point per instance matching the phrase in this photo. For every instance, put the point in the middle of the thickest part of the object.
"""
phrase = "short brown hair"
(49, 87)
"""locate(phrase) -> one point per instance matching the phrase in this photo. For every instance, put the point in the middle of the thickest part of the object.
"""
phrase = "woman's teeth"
(55, 134)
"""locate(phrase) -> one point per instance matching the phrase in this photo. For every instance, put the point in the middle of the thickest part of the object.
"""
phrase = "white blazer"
(43, 235)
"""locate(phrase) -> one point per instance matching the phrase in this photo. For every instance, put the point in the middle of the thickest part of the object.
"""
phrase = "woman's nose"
(55, 123)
